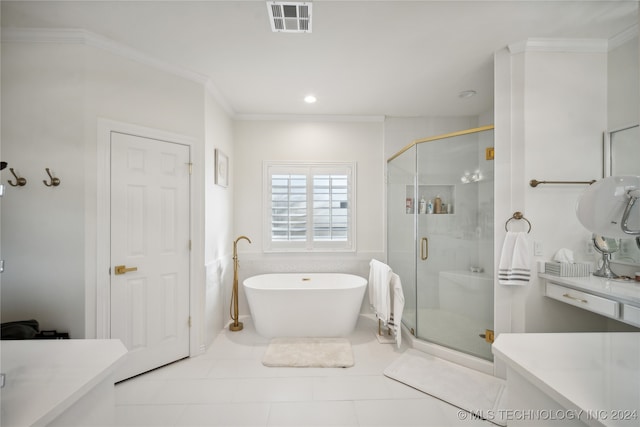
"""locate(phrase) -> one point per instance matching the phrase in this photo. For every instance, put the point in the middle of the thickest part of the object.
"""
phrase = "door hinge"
(490, 153)
(488, 336)
(189, 244)
(189, 321)
(190, 168)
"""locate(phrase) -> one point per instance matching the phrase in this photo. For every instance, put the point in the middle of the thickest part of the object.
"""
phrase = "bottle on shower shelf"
(422, 207)
(437, 204)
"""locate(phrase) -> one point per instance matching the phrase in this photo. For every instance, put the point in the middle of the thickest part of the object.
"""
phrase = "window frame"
(309, 169)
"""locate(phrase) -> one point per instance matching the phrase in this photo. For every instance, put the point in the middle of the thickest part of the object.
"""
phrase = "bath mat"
(480, 394)
(309, 353)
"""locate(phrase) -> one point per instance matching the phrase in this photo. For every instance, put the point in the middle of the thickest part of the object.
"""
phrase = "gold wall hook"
(20, 181)
(53, 181)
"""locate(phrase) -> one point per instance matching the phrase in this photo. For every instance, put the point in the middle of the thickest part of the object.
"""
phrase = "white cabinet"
(631, 314)
(617, 299)
(571, 379)
(59, 382)
(583, 300)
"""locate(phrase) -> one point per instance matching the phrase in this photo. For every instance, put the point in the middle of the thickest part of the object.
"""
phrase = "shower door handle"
(424, 248)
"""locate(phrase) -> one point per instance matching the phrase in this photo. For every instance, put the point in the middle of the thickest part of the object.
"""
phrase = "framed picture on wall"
(222, 169)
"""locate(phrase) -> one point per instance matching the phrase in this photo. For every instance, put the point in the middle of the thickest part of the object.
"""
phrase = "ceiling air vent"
(290, 17)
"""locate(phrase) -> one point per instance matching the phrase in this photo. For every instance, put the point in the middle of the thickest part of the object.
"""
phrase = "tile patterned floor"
(229, 386)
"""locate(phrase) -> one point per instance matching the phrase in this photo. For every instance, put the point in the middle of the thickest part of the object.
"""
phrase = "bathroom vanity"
(617, 299)
(571, 379)
(59, 382)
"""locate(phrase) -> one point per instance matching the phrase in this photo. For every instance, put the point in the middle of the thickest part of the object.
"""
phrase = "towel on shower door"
(379, 279)
(514, 267)
(397, 297)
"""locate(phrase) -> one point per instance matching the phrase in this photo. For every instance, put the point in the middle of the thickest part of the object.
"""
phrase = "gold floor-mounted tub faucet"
(233, 308)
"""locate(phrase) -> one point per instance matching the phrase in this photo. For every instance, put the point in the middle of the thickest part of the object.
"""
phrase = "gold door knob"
(121, 269)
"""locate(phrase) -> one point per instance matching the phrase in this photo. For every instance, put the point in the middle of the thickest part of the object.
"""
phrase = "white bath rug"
(309, 353)
(480, 394)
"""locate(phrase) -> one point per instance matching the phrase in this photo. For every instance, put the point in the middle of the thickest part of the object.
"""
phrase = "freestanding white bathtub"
(305, 305)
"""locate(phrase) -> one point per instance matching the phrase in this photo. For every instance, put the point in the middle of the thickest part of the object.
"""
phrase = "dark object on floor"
(29, 330)
(20, 330)
(52, 335)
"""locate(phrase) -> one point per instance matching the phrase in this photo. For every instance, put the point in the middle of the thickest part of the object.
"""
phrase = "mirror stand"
(605, 269)
(605, 247)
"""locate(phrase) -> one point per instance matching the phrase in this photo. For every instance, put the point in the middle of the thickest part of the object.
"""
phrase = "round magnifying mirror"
(606, 246)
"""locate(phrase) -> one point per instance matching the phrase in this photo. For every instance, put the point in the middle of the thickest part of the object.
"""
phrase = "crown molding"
(625, 36)
(88, 38)
(559, 45)
(308, 118)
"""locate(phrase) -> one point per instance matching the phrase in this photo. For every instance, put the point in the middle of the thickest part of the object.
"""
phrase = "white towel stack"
(514, 267)
(385, 291)
(379, 279)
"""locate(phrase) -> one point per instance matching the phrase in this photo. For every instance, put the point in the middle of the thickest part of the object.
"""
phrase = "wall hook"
(20, 181)
(53, 181)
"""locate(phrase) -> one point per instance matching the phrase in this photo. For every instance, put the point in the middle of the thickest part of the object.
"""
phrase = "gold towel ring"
(517, 216)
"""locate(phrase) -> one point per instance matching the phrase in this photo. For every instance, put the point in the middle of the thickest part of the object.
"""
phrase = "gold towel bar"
(535, 182)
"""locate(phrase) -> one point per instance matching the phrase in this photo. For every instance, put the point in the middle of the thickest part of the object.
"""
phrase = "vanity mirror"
(621, 153)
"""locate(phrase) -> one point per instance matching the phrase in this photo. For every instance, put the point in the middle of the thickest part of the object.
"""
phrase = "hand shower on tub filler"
(233, 307)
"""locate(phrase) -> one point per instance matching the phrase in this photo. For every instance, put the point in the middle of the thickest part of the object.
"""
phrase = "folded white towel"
(514, 267)
(395, 323)
(379, 279)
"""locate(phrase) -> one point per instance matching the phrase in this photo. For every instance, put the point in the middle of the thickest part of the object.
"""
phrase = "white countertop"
(45, 377)
(584, 371)
(623, 290)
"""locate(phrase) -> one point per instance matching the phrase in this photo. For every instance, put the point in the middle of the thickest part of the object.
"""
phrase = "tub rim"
(305, 285)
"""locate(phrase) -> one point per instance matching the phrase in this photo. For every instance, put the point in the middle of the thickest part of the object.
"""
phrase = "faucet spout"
(235, 245)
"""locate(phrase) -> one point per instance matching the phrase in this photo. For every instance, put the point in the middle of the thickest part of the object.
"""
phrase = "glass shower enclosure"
(440, 217)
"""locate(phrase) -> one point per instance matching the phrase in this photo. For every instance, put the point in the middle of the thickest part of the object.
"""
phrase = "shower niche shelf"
(430, 191)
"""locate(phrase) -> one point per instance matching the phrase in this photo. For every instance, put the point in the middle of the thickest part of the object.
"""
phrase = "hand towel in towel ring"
(517, 216)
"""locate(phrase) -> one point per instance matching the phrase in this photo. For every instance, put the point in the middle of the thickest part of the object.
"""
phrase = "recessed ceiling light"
(310, 99)
(467, 94)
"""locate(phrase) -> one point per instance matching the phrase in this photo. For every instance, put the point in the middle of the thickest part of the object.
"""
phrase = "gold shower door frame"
(414, 242)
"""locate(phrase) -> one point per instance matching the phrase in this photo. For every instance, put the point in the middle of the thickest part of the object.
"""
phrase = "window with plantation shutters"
(309, 207)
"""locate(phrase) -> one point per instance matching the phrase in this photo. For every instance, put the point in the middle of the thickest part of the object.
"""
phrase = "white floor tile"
(273, 389)
(196, 391)
(313, 414)
(138, 391)
(351, 388)
(242, 368)
(148, 415)
(413, 412)
(229, 386)
(228, 414)
(196, 367)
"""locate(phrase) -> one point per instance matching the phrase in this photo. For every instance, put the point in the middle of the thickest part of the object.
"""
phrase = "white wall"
(402, 131)
(219, 220)
(623, 87)
(550, 115)
(55, 93)
(322, 141)
(43, 228)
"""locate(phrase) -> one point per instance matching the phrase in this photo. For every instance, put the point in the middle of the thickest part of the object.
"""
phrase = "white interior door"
(150, 250)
